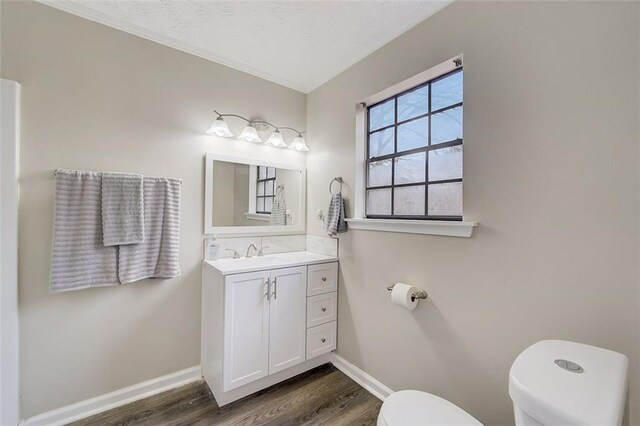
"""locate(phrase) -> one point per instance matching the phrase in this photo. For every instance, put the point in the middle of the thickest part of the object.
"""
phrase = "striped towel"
(335, 216)
(157, 256)
(278, 211)
(122, 209)
(79, 259)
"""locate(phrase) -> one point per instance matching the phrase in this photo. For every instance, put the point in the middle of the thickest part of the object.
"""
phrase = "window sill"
(426, 227)
(256, 216)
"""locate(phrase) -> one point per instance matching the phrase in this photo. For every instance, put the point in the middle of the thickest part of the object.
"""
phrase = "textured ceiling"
(299, 44)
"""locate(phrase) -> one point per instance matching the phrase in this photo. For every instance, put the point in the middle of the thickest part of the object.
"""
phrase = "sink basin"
(271, 261)
(253, 262)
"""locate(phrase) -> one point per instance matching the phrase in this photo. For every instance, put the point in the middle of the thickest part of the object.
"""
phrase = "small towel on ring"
(335, 216)
(122, 209)
(278, 210)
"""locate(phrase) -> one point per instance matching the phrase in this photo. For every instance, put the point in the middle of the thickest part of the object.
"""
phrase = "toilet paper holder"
(421, 294)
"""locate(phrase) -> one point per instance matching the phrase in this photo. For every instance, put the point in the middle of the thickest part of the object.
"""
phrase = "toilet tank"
(556, 382)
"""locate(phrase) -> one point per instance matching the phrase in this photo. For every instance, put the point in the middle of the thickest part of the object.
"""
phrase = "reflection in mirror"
(255, 195)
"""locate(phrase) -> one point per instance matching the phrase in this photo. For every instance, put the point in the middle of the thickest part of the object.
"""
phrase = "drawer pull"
(323, 340)
(324, 278)
(323, 309)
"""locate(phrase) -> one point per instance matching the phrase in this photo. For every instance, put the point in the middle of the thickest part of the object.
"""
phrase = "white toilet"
(553, 382)
(413, 408)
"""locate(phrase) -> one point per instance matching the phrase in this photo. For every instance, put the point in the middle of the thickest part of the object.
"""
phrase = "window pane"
(260, 188)
(380, 173)
(382, 115)
(260, 205)
(271, 172)
(413, 104)
(414, 134)
(379, 202)
(447, 91)
(445, 199)
(409, 200)
(381, 143)
(269, 187)
(445, 163)
(446, 126)
(268, 203)
(262, 172)
(410, 168)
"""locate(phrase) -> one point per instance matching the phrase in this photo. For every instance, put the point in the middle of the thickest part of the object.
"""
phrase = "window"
(414, 149)
(265, 190)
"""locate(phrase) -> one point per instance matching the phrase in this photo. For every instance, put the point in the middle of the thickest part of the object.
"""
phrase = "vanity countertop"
(227, 266)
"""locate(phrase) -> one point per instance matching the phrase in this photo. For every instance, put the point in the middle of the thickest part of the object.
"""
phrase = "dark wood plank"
(322, 396)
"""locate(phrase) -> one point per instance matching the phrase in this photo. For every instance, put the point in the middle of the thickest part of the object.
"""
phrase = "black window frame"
(265, 196)
(426, 149)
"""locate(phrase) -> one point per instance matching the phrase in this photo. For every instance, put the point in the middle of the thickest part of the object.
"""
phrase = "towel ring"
(336, 179)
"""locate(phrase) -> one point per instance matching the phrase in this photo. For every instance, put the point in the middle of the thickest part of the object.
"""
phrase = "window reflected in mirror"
(255, 195)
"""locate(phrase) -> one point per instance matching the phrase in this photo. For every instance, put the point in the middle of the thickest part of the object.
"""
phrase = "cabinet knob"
(323, 340)
(323, 309)
(324, 278)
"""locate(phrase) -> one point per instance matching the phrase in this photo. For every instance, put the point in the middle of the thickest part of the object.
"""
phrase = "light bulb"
(299, 144)
(276, 139)
(220, 128)
(250, 134)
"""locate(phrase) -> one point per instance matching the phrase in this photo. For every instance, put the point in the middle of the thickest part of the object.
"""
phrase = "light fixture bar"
(232, 115)
(249, 133)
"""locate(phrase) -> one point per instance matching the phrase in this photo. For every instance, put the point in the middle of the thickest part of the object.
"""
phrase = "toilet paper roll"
(401, 296)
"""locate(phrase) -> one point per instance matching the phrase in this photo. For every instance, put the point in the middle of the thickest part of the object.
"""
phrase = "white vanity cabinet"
(262, 327)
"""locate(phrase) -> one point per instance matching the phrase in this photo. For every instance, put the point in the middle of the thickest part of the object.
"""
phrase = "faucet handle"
(261, 251)
(236, 255)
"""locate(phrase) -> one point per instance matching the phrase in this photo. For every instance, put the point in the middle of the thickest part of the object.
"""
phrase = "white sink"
(246, 262)
(271, 261)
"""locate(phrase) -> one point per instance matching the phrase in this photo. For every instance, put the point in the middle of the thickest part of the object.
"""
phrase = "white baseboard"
(89, 407)
(378, 389)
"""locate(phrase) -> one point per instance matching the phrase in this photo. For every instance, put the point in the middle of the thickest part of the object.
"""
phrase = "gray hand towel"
(157, 256)
(335, 216)
(79, 259)
(278, 210)
(122, 209)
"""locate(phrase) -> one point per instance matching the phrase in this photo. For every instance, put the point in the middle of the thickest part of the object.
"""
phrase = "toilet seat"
(413, 408)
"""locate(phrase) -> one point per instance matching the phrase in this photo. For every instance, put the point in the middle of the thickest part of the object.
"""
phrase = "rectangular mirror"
(250, 197)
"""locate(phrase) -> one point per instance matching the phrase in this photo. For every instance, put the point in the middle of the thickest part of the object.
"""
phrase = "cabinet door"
(287, 330)
(246, 328)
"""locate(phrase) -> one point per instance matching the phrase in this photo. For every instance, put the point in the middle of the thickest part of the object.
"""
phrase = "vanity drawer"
(322, 309)
(322, 278)
(321, 339)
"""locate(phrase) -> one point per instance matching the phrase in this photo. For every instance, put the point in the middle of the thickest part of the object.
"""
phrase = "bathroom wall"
(223, 193)
(96, 98)
(551, 173)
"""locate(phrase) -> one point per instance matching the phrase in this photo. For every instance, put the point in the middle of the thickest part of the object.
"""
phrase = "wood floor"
(322, 396)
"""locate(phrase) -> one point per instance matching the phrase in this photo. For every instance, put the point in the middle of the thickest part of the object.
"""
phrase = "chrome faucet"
(249, 255)
(236, 255)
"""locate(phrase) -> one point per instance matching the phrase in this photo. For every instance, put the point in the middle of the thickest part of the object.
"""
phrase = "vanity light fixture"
(276, 139)
(299, 144)
(220, 128)
(250, 132)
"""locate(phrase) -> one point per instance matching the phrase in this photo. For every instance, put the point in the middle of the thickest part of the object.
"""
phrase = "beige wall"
(99, 99)
(551, 174)
(223, 188)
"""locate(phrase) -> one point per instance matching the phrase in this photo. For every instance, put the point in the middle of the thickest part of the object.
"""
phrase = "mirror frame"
(231, 231)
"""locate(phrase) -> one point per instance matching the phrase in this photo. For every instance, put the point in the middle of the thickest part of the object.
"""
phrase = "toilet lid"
(410, 407)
